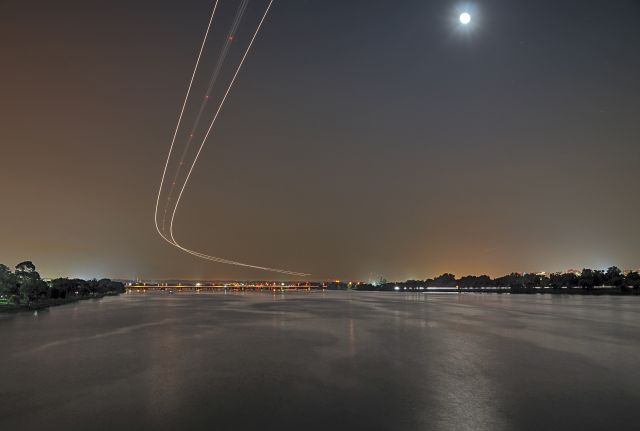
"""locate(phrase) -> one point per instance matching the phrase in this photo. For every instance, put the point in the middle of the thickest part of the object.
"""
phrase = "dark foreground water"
(323, 361)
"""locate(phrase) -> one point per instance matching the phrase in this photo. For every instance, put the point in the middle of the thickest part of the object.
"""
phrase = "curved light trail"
(205, 100)
(171, 239)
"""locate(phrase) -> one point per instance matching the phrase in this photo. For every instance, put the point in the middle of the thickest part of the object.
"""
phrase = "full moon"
(465, 18)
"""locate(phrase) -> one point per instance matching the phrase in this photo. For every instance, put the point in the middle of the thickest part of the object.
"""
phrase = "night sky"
(362, 138)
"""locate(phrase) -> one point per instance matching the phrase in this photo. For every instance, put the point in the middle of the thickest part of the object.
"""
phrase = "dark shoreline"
(598, 291)
(43, 305)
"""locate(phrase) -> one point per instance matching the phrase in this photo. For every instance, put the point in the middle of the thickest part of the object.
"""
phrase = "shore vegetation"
(24, 288)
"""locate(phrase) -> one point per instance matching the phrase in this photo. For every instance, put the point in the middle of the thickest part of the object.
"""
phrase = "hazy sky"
(362, 138)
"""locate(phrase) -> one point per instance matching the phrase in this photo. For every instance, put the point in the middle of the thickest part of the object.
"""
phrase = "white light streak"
(172, 239)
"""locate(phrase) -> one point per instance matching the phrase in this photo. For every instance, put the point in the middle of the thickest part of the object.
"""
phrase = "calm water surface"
(323, 361)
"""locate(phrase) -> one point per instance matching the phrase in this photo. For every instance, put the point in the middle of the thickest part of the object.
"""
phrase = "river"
(323, 361)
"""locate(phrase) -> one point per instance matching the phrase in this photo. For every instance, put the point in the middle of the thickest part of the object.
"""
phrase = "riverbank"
(595, 291)
(40, 305)
(24, 290)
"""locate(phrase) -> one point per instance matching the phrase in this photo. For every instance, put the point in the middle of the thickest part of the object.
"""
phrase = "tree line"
(24, 286)
(588, 279)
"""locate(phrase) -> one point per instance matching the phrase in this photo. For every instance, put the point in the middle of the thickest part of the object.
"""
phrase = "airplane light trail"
(230, 38)
(214, 77)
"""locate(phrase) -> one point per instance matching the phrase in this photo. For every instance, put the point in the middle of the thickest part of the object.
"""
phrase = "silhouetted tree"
(587, 279)
(8, 285)
(445, 280)
(516, 280)
(475, 281)
(598, 277)
(555, 280)
(570, 280)
(534, 280)
(27, 269)
(30, 286)
(614, 277)
(633, 280)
